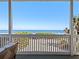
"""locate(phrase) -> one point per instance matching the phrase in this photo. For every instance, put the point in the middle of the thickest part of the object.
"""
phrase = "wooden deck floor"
(46, 57)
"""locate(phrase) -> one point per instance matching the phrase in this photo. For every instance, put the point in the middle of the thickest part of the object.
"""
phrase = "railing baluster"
(45, 45)
(52, 44)
(38, 43)
(41, 48)
(30, 41)
(1, 42)
(57, 43)
(31, 44)
(64, 44)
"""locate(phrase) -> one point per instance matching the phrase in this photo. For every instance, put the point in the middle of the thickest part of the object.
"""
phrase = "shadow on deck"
(24, 56)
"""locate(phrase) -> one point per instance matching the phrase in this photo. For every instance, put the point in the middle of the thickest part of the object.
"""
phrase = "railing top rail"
(75, 35)
(4, 34)
(34, 35)
(41, 36)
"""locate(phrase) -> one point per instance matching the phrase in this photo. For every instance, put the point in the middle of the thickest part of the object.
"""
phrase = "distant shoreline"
(34, 31)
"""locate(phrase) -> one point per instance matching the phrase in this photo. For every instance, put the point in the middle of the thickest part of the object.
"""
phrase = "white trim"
(71, 27)
(36, 0)
(10, 19)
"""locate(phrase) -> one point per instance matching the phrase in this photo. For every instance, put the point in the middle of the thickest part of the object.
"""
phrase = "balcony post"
(71, 27)
(10, 19)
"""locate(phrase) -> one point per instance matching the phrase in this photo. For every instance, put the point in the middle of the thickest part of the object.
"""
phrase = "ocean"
(33, 31)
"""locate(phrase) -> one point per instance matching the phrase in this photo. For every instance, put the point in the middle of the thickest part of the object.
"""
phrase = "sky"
(37, 15)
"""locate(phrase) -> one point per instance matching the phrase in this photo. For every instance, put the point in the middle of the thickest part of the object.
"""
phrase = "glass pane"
(41, 16)
(3, 17)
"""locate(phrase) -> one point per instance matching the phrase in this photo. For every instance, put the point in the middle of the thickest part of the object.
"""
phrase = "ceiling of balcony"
(36, 0)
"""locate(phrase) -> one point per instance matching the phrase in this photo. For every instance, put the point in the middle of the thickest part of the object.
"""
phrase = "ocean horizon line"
(7, 30)
(34, 31)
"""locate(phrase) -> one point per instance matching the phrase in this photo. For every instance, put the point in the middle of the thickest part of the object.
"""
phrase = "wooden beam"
(42, 0)
(36, 0)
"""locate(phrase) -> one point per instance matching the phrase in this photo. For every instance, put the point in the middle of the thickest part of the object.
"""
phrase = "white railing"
(76, 44)
(4, 39)
(40, 44)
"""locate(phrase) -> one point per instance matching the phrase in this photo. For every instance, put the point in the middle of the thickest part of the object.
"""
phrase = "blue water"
(34, 31)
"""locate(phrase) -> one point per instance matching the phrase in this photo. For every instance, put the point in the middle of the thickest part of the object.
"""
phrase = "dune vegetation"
(23, 41)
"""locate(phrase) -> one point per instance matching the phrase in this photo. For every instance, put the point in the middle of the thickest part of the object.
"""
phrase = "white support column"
(10, 19)
(71, 26)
